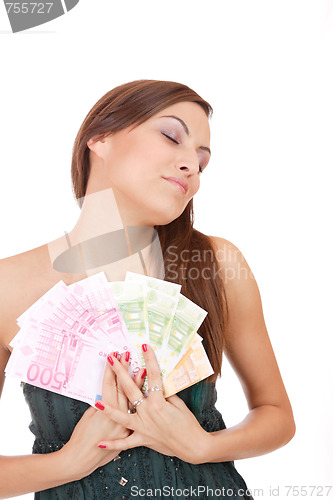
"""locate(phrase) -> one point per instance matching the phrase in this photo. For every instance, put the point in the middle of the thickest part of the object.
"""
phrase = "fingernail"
(144, 373)
(110, 360)
(101, 446)
(115, 354)
(99, 405)
(144, 347)
(127, 355)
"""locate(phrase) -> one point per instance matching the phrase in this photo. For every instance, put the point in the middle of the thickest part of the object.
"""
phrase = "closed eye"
(174, 140)
(170, 138)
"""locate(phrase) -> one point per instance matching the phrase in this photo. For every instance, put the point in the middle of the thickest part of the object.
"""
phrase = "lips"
(180, 183)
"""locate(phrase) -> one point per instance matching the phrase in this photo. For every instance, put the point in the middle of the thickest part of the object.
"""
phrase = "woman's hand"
(81, 451)
(164, 425)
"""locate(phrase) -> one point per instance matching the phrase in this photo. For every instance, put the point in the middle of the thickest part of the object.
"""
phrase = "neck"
(99, 215)
(100, 241)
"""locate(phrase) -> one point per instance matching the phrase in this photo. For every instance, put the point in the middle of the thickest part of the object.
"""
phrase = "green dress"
(140, 472)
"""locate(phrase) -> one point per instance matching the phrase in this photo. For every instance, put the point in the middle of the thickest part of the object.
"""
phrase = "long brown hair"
(132, 104)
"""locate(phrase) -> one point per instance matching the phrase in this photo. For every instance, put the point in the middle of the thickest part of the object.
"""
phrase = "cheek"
(195, 187)
(141, 158)
(136, 166)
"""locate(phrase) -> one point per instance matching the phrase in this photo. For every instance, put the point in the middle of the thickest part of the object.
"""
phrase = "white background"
(266, 67)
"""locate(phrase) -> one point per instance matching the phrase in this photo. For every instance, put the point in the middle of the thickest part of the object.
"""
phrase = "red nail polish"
(127, 355)
(144, 347)
(99, 405)
(144, 373)
(110, 360)
(115, 354)
(101, 446)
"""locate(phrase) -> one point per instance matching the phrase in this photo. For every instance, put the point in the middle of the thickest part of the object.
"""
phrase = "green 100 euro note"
(173, 321)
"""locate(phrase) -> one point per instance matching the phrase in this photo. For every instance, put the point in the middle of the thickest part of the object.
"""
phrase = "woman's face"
(135, 163)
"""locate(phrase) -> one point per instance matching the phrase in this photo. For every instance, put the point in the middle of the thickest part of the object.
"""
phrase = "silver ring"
(155, 388)
(137, 403)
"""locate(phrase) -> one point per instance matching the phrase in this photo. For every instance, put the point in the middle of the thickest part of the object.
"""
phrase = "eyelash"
(174, 140)
(171, 138)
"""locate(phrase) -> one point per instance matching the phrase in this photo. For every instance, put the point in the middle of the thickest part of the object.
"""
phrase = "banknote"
(162, 301)
(193, 367)
(108, 317)
(87, 306)
(60, 361)
(65, 339)
(173, 326)
(187, 319)
(94, 315)
(159, 285)
(67, 334)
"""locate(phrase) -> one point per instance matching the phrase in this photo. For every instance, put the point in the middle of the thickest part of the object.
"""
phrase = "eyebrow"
(185, 127)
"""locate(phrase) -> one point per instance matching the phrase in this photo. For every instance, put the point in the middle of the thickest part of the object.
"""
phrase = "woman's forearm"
(265, 429)
(29, 473)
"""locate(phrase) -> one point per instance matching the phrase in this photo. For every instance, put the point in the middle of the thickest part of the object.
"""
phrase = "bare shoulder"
(248, 346)
(23, 279)
(226, 251)
(241, 288)
(233, 265)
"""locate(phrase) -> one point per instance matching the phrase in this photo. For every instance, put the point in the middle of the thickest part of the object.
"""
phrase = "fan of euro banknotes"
(66, 335)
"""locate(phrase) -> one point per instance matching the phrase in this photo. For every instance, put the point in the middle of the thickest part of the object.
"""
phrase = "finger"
(125, 359)
(122, 398)
(109, 386)
(131, 441)
(125, 380)
(176, 401)
(153, 372)
(123, 418)
(140, 377)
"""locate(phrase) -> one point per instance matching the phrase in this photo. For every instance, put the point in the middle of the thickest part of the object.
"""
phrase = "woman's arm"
(78, 458)
(169, 427)
(24, 474)
(270, 423)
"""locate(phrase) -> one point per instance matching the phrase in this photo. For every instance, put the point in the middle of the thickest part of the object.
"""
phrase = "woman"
(131, 144)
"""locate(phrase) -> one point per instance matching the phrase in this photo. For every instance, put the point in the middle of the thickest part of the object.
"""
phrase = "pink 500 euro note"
(65, 339)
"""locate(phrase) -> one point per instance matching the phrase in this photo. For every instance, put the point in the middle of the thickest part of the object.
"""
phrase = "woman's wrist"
(24, 474)
(73, 468)
(202, 445)
(68, 468)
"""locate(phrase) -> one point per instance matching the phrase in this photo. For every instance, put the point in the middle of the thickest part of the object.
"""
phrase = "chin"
(165, 219)
(164, 214)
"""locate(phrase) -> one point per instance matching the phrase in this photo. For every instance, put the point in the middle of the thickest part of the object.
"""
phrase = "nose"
(189, 162)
